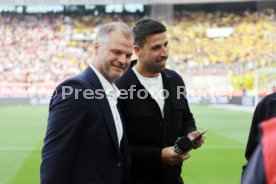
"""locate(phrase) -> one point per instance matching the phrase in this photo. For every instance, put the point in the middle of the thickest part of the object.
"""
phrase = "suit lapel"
(104, 105)
(109, 120)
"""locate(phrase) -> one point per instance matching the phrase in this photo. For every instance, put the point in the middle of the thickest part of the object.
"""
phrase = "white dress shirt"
(112, 93)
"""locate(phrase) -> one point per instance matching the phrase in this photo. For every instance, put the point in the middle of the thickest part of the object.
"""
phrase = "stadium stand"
(40, 50)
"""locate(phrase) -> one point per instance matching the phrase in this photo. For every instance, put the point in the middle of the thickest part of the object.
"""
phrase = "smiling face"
(113, 55)
(152, 56)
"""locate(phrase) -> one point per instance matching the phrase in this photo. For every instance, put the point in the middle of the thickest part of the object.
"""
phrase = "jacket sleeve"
(254, 137)
(254, 172)
(146, 155)
(188, 122)
(65, 121)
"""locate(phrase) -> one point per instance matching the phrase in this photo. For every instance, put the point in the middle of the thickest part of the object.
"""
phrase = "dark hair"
(146, 27)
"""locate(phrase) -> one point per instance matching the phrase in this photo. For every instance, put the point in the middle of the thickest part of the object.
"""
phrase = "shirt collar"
(141, 76)
(110, 89)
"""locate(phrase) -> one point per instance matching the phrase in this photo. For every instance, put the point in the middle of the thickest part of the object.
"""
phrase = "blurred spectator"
(265, 110)
(40, 48)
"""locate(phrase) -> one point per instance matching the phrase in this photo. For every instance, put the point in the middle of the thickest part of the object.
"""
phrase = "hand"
(171, 158)
(193, 135)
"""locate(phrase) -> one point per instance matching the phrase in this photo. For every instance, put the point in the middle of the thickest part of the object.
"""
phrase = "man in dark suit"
(265, 110)
(262, 164)
(155, 109)
(85, 141)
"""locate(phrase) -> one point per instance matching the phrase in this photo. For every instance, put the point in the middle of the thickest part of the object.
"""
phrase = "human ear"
(137, 50)
(96, 47)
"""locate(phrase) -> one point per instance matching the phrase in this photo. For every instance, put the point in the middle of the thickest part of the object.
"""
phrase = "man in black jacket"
(265, 110)
(262, 164)
(155, 110)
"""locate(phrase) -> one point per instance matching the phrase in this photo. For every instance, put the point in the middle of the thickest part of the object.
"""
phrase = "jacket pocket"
(178, 109)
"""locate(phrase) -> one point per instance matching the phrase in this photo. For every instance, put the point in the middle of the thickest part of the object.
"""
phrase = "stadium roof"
(104, 2)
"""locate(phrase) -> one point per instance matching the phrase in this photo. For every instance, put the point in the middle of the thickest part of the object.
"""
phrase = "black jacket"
(81, 144)
(148, 132)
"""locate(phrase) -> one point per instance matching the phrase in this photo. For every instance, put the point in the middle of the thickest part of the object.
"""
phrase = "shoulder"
(127, 79)
(266, 101)
(171, 73)
(173, 76)
(78, 81)
(270, 97)
(71, 87)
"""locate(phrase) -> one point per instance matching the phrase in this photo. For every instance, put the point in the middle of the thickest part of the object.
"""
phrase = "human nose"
(122, 59)
(164, 51)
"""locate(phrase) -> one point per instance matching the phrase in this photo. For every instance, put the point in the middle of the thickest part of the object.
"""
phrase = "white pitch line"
(232, 107)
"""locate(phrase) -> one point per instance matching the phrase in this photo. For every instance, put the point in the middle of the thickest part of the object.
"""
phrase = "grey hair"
(106, 29)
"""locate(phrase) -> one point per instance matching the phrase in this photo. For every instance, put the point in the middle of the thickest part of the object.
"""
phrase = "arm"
(151, 155)
(188, 122)
(254, 172)
(253, 138)
(166, 155)
(65, 121)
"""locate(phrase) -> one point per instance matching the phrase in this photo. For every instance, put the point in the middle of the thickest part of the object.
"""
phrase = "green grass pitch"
(219, 161)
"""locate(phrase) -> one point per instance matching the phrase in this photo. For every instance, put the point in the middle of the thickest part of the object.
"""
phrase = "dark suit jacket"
(265, 110)
(148, 132)
(81, 144)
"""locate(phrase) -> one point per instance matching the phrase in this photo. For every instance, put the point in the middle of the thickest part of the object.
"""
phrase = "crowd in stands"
(250, 46)
(40, 48)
